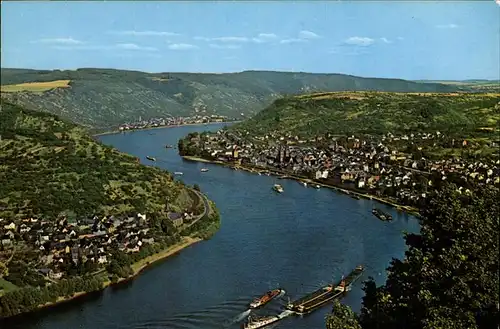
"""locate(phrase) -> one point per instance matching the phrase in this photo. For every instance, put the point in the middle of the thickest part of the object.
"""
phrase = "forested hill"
(50, 167)
(76, 215)
(376, 113)
(104, 98)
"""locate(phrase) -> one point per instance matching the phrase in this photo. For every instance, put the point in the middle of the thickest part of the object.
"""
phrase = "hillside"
(51, 166)
(376, 113)
(470, 85)
(105, 98)
(77, 216)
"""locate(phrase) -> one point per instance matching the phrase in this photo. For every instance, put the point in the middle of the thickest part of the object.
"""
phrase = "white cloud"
(447, 26)
(265, 37)
(120, 46)
(230, 39)
(133, 46)
(182, 46)
(308, 35)
(224, 39)
(82, 47)
(385, 40)
(216, 46)
(260, 38)
(292, 40)
(60, 41)
(146, 33)
(360, 41)
(400, 38)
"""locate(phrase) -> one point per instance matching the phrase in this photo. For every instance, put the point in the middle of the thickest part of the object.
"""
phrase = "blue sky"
(408, 40)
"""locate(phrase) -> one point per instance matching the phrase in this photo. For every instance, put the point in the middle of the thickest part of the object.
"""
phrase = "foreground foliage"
(449, 277)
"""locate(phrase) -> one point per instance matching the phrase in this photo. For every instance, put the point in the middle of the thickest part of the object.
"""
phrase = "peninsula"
(77, 216)
(396, 147)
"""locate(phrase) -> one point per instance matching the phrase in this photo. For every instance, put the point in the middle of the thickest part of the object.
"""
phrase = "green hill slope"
(77, 216)
(49, 166)
(104, 98)
(376, 113)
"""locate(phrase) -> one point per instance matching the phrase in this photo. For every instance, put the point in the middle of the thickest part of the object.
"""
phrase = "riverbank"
(256, 170)
(112, 132)
(137, 269)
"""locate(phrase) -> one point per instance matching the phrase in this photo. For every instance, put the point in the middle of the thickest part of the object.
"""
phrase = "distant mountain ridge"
(105, 98)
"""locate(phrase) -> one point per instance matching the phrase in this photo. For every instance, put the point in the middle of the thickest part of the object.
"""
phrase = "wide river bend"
(299, 240)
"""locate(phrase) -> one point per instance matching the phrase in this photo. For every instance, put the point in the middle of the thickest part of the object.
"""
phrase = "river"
(298, 240)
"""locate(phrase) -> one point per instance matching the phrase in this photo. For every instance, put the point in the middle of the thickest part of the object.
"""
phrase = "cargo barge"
(381, 215)
(325, 294)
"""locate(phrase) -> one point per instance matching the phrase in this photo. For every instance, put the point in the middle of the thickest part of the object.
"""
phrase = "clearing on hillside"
(35, 86)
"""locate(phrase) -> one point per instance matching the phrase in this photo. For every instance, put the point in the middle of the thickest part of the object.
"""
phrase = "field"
(35, 86)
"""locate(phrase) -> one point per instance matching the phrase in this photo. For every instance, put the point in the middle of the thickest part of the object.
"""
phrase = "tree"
(449, 277)
(196, 187)
(342, 317)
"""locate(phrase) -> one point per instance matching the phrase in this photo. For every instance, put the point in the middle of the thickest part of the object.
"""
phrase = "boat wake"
(208, 318)
(241, 316)
(286, 313)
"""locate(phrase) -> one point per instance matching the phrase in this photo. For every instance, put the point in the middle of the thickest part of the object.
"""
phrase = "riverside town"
(170, 121)
(391, 167)
(247, 164)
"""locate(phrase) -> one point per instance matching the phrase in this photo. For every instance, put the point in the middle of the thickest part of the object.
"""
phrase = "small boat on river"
(278, 188)
(270, 295)
(150, 158)
(168, 146)
(381, 215)
(260, 322)
(178, 173)
(204, 170)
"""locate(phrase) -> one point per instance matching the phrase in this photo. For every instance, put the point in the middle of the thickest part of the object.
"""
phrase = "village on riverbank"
(89, 254)
(91, 245)
(173, 121)
(401, 169)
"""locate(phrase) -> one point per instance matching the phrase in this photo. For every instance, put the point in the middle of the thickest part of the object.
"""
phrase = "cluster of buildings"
(364, 164)
(171, 121)
(62, 243)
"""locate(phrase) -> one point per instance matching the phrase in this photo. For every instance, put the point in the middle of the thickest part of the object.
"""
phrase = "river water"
(298, 240)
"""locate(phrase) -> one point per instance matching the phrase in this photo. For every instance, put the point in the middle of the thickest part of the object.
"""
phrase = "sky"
(407, 40)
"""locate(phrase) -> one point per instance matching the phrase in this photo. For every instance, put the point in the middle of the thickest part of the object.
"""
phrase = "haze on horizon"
(407, 40)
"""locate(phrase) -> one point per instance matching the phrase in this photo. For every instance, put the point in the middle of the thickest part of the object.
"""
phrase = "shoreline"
(408, 209)
(137, 267)
(113, 132)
